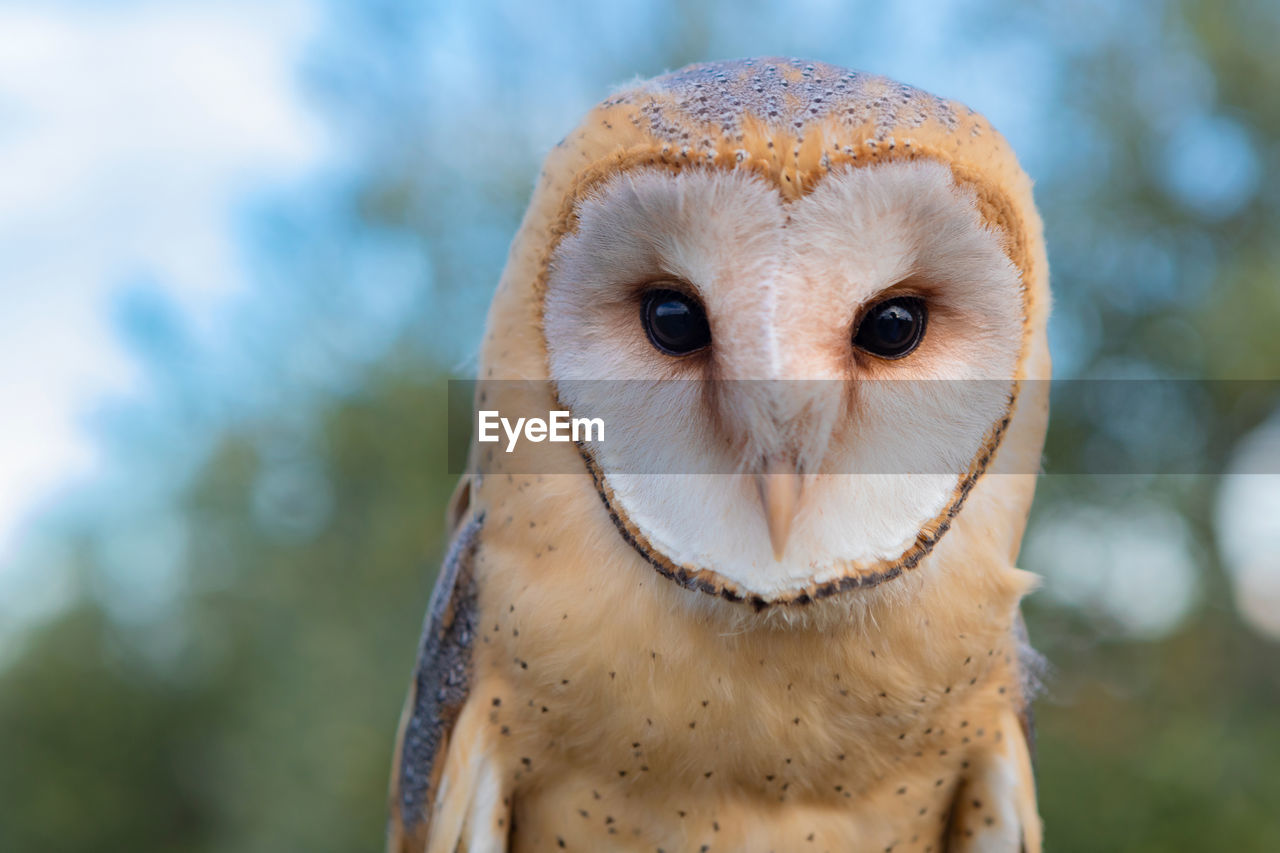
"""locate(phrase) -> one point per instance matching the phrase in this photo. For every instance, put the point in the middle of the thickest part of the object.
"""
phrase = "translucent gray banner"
(1096, 426)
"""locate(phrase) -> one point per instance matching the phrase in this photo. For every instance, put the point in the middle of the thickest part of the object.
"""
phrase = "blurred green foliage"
(256, 713)
(265, 724)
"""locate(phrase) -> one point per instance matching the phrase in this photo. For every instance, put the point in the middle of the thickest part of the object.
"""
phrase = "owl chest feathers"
(603, 681)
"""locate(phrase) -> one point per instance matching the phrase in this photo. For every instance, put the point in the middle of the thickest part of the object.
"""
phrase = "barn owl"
(732, 625)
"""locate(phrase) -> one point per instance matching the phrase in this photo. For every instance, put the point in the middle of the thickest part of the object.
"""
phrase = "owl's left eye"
(676, 323)
(893, 328)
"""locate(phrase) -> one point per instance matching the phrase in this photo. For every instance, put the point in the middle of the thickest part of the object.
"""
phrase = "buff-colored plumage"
(580, 692)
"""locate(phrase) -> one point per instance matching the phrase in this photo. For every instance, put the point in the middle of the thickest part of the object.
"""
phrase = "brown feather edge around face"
(997, 211)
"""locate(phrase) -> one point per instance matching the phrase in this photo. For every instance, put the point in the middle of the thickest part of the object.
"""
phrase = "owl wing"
(995, 806)
(438, 749)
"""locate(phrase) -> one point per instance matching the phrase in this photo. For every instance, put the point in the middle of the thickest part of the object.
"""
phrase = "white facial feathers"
(783, 286)
(867, 230)
(719, 232)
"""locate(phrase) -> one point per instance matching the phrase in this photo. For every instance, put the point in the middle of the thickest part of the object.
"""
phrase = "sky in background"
(130, 136)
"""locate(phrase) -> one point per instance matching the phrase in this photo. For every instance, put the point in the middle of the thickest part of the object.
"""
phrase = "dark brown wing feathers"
(441, 683)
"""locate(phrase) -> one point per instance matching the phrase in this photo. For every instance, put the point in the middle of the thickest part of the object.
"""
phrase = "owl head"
(806, 303)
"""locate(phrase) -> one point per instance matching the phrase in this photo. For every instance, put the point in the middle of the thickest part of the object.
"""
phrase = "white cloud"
(129, 135)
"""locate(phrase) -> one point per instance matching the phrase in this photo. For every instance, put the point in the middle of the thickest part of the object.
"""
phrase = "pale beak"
(780, 486)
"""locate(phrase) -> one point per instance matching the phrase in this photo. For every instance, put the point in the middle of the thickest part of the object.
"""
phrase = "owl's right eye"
(675, 322)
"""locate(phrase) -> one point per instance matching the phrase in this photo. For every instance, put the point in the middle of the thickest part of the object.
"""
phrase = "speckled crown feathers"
(791, 122)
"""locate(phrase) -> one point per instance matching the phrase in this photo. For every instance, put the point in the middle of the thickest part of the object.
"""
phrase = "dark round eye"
(893, 328)
(675, 323)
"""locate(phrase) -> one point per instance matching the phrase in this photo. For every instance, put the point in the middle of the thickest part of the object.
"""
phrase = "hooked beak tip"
(780, 489)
